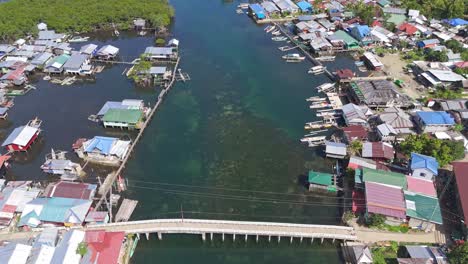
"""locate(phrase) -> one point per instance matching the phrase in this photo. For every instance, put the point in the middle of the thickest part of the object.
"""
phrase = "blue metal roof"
(360, 32)
(110, 105)
(258, 10)
(436, 118)
(103, 144)
(304, 6)
(457, 22)
(419, 161)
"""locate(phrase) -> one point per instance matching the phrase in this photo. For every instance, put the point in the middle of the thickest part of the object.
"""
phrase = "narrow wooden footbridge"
(240, 229)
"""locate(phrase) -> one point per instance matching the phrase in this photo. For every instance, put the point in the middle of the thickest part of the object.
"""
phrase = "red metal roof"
(385, 200)
(355, 132)
(70, 190)
(9, 208)
(408, 28)
(376, 23)
(345, 74)
(461, 64)
(107, 250)
(95, 236)
(421, 186)
(461, 175)
(378, 150)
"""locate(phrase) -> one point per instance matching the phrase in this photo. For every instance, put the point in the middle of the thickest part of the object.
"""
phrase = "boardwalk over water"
(105, 188)
(245, 229)
(242, 229)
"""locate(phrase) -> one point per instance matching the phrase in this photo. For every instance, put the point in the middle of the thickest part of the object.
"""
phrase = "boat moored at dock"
(317, 69)
(293, 57)
(326, 87)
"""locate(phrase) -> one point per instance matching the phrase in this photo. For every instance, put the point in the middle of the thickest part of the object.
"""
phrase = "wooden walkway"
(125, 210)
(107, 185)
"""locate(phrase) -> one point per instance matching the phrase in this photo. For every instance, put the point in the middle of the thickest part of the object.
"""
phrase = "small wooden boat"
(279, 38)
(326, 58)
(318, 105)
(316, 99)
(270, 28)
(36, 122)
(276, 33)
(78, 39)
(293, 57)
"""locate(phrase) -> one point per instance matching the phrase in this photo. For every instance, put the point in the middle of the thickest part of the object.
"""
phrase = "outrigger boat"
(328, 113)
(314, 141)
(293, 57)
(326, 58)
(36, 122)
(325, 87)
(320, 105)
(270, 28)
(316, 99)
(276, 33)
(317, 125)
(78, 39)
(317, 69)
(279, 38)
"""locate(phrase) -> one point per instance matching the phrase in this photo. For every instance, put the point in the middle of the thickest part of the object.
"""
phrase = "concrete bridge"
(241, 229)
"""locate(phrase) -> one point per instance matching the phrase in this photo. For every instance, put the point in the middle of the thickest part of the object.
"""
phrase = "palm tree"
(355, 147)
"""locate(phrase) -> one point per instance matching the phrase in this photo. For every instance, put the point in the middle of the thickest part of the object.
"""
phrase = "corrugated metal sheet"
(418, 185)
(385, 200)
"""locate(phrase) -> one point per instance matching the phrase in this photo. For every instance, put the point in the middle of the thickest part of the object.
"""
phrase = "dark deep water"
(223, 146)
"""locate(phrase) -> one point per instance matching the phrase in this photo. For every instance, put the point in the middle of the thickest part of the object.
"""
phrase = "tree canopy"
(439, 8)
(459, 254)
(20, 17)
(364, 11)
(445, 151)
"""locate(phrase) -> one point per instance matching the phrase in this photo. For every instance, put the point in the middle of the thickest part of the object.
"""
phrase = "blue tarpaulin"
(457, 22)
(304, 6)
(257, 10)
(359, 32)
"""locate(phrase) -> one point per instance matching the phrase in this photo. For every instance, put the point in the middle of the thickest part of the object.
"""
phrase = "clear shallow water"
(223, 146)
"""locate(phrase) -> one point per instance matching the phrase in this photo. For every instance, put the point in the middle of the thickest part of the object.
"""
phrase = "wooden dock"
(125, 210)
(107, 185)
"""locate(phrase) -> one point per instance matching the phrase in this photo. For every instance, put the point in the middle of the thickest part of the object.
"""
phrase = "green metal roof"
(61, 59)
(130, 116)
(350, 41)
(320, 178)
(384, 177)
(425, 207)
(396, 19)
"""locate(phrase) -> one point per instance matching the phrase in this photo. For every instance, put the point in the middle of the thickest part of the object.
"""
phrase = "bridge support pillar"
(300, 241)
(234, 237)
(159, 236)
(138, 235)
(279, 239)
(290, 241)
(245, 237)
(333, 242)
(203, 236)
(256, 239)
(322, 240)
(312, 241)
(211, 236)
(223, 237)
(269, 238)
(147, 236)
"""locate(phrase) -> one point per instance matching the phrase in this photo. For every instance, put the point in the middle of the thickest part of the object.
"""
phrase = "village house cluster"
(28, 206)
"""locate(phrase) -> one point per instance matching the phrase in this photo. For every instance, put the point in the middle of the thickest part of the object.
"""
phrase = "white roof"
(132, 102)
(442, 135)
(108, 50)
(447, 76)
(21, 136)
(120, 148)
(41, 255)
(14, 253)
(66, 250)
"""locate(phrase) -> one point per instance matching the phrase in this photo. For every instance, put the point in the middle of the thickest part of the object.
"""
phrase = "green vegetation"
(438, 8)
(138, 70)
(355, 147)
(385, 255)
(376, 220)
(459, 255)
(443, 93)
(348, 216)
(21, 17)
(461, 71)
(364, 11)
(427, 55)
(82, 249)
(445, 151)
(160, 42)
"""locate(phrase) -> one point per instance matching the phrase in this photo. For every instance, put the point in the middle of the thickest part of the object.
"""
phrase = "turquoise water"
(226, 144)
